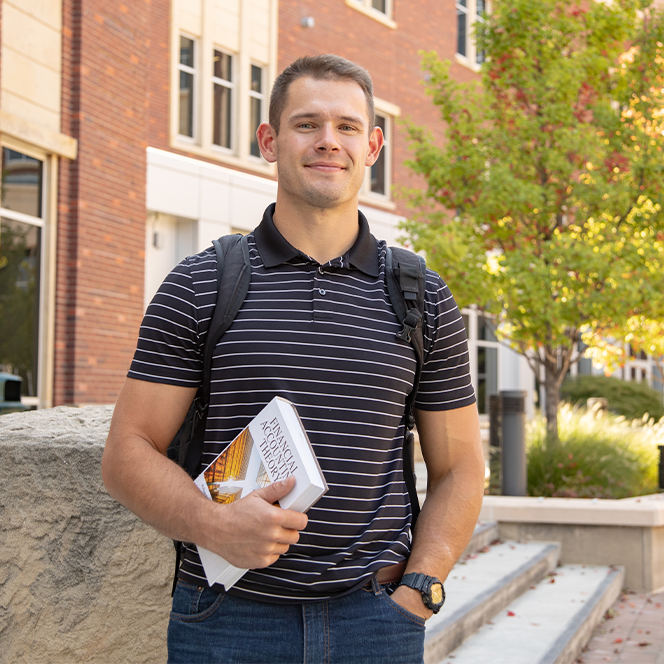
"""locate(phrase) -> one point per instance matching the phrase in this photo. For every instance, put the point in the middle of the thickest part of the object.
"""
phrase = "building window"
(256, 107)
(379, 174)
(187, 74)
(462, 27)
(381, 10)
(469, 12)
(21, 222)
(479, 18)
(378, 178)
(223, 86)
(487, 362)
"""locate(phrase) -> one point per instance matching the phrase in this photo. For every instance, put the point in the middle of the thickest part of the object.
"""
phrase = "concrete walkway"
(632, 632)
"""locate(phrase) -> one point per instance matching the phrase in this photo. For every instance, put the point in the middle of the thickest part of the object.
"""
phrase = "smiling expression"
(323, 144)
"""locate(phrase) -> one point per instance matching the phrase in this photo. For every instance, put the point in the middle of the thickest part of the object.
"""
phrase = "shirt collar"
(274, 249)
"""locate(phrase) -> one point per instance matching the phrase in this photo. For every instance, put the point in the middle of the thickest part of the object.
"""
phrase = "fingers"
(273, 492)
(288, 519)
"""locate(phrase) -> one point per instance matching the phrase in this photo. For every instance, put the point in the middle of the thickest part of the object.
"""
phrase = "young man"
(317, 328)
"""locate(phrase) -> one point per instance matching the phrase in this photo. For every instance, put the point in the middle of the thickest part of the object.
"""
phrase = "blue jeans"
(366, 627)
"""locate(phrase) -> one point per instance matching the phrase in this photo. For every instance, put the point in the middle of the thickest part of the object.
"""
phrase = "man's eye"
(305, 125)
(347, 128)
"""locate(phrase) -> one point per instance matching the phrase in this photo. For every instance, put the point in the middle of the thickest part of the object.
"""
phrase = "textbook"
(272, 447)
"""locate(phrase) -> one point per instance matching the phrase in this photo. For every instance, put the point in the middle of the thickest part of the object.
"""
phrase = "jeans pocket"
(193, 603)
(403, 613)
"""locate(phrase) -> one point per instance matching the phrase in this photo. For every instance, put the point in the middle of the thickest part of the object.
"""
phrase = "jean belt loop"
(375, 586)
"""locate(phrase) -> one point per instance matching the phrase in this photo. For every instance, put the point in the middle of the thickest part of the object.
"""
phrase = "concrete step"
(485, 533)
(481, 585)
(549, 624)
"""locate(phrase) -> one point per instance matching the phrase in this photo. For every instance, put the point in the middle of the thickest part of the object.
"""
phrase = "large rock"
(81, 578)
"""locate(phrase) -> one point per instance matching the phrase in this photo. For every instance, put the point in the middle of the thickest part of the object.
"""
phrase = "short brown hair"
(319, 67)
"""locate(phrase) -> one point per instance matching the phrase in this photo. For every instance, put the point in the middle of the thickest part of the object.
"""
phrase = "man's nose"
(327, 139)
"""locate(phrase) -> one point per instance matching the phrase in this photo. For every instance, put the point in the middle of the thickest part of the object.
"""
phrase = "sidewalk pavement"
(631, 632)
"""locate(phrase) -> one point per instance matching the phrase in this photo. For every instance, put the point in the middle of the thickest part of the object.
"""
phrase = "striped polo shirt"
(324, 337)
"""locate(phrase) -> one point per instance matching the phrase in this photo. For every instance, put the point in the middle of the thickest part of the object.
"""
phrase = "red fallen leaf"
(511, 613)
(552, 581)
(618, 640)
(632, 605)
(658, 605)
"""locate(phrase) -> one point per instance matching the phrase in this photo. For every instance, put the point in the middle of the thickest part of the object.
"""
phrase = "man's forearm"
(446, 522)
(154, 488)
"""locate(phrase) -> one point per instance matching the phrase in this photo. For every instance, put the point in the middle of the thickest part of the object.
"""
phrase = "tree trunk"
(552, 398)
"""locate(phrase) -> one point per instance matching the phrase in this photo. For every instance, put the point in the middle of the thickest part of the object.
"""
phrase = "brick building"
(127, 136)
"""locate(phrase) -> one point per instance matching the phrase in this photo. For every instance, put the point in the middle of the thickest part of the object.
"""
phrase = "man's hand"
(411, 600)
(255, 532)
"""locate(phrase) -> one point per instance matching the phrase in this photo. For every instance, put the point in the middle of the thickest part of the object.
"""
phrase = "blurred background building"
(128, 143)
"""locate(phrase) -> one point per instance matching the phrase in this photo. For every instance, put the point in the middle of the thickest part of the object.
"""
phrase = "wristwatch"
(433, 593)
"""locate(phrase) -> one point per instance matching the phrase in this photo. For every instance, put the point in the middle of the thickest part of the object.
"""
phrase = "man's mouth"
(325, 167)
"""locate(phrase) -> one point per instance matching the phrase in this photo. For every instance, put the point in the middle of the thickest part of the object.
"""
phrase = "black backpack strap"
(233, 278)
(406, 278)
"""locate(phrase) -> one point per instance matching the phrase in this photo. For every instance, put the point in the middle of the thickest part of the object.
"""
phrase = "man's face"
(324, 143)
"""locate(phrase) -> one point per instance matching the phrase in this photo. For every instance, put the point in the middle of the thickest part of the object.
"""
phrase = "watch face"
(436, 593)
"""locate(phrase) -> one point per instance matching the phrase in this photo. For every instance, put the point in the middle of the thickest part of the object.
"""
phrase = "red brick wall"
(390, 55)
(101, 199)
(158, 100)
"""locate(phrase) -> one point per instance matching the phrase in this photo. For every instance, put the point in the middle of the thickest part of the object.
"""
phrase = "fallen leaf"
(552, 581)
(511, 613)
(618, 640)
(643, 644)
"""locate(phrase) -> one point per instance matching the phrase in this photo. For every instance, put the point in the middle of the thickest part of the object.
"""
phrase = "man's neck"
(322, 234)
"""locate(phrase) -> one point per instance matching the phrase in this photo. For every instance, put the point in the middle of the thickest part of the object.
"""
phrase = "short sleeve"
(169, 346)
(445, 380)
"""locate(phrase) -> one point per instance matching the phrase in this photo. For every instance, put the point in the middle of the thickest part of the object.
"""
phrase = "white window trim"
(470, 59)
(390, 112)
(194, 71)
(474, 343)
(366, 8)
(48, 223)
(263, 98)
(232, 86)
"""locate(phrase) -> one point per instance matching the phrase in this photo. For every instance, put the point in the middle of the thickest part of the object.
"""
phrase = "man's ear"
(267, 142)
(376, 142)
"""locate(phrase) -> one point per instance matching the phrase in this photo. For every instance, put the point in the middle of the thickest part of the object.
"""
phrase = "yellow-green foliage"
(599, 456)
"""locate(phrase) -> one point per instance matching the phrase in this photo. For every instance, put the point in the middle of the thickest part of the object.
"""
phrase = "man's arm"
(249, 533)
(452, 451)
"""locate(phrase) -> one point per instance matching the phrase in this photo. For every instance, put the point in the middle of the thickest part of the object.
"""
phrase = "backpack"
(405, 277)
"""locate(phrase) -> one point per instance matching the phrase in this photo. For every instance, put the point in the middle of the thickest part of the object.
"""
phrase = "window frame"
(367, 8)
(471, 316)
(390, 112)
(47, 265)
(471, 58)
(194, 88)
(233, 87)
(262, 97)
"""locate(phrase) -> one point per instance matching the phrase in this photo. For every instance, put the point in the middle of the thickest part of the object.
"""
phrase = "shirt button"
(320, 270)
(321, 291)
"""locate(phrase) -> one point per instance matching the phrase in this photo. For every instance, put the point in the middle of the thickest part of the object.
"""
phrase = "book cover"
(272, 447)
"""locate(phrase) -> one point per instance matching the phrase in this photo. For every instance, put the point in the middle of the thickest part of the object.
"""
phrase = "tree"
(554, 166)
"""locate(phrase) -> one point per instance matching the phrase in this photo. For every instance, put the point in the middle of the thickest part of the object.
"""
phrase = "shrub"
(626, 398)
(598, 456)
